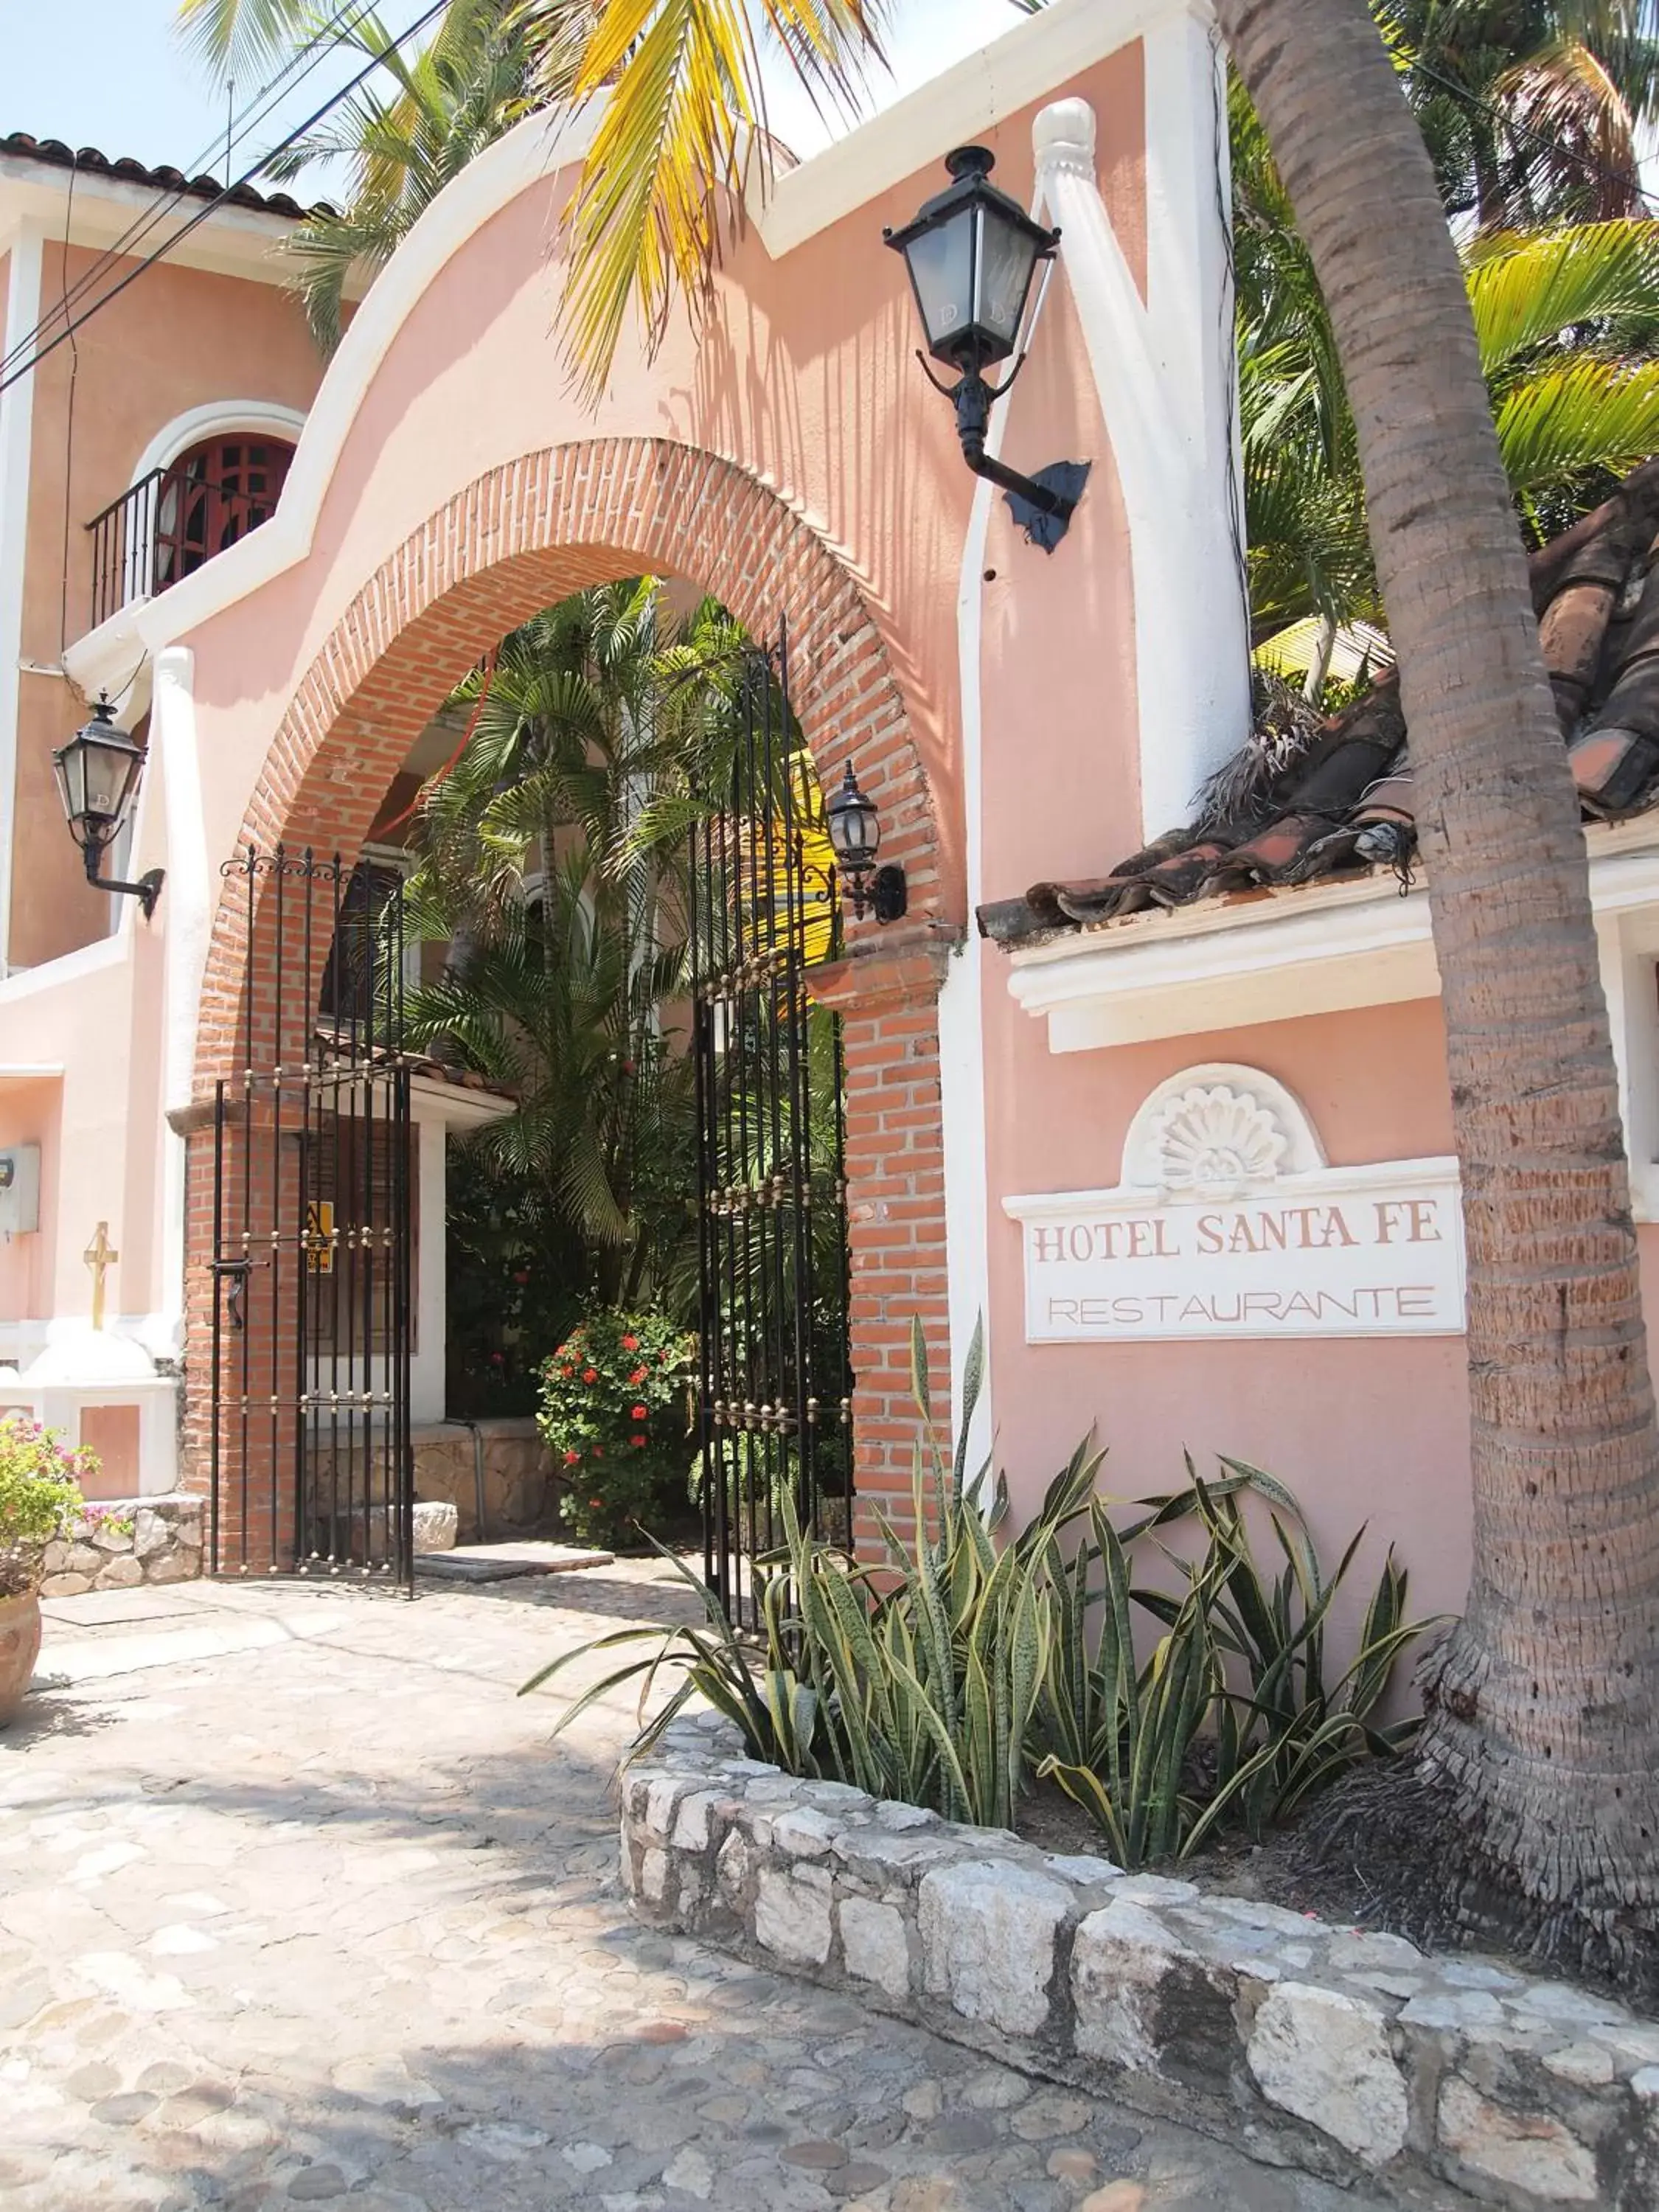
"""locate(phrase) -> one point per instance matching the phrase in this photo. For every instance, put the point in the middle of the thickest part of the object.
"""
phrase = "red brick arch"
(520, 538)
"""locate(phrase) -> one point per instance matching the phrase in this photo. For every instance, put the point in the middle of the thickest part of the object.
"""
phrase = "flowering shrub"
(39, 1497)
(613, 1413)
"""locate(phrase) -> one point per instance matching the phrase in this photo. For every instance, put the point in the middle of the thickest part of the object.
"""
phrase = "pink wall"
(1363, 1430)
(177, 338)
(30, 1114)
(803, 372)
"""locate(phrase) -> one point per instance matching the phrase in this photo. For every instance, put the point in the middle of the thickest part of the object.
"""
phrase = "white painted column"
(426, 1368)
(1165, 373)
(1628, 945)
(185, 914)
(16, 435)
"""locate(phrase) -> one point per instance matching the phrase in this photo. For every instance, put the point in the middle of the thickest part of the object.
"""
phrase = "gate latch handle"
(238, 1271)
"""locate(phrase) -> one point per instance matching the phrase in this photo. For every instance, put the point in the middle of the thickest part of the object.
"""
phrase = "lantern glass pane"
(862, 831)
(70, 768)
(941, 263)
(107, 772)
(1008, 255)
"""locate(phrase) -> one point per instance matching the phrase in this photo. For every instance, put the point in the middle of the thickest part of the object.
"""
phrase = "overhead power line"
(299, 66)
(212, 207)
(1507, 121)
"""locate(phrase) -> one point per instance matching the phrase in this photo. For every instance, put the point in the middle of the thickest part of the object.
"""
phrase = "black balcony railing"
(176, 518)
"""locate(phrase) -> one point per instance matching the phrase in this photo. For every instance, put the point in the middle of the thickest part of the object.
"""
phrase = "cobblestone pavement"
(297, 1905)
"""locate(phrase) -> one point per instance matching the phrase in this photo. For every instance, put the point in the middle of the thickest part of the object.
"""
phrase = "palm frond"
(1573, 416)
(682, 133)
(1527, 290)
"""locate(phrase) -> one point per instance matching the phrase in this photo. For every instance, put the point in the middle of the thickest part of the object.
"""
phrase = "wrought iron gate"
(775, 1380)
(309, 1454)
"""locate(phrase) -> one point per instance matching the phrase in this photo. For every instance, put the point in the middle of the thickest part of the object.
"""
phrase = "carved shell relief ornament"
(1213, 1143)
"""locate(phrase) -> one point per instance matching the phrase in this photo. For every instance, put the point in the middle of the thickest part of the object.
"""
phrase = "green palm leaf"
(1526, 290)
(1572, 415)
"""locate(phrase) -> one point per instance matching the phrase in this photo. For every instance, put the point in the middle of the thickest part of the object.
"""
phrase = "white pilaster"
(186, 916)
(1165, 371)
(16, 435)
(426, 1368)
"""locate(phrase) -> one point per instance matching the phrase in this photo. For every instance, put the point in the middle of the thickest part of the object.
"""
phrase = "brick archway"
(520, 538)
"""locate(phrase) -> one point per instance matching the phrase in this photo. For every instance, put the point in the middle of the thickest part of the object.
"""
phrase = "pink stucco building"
(1191, 1165)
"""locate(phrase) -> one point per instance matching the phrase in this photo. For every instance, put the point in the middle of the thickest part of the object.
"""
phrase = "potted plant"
(40, 1500)
(612, 1415)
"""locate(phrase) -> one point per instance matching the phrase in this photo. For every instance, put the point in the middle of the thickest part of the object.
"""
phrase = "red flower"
(496, 1359)
(522, 1275)
(630, 1344)
(571, 1457)
(639, 1375)
(638, 1442)
(590, 1374)
(638, 1414)
(596, 1504)
(599, 1451)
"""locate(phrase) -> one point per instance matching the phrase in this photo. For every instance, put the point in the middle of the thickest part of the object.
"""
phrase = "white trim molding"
(233, 241)
(217, 418)
(1225, 966)
(1324, 949)
(530, 155)
(983, 89)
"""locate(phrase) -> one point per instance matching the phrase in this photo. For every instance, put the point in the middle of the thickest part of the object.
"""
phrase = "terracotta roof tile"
(88, 161)
(1343, 803)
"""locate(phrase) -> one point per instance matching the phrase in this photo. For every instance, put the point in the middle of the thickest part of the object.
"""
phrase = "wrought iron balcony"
(176, 518)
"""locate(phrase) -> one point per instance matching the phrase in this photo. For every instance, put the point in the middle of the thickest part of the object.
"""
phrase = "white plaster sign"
(1228, 1223)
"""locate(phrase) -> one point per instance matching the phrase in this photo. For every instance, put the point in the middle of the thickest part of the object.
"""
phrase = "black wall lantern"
(98, 773)
(855, 829)
(971, 254)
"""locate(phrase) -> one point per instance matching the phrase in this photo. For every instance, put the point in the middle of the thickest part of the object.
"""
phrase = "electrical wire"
(1513, 124)
(306, 59)
(324, 40)
(211, 207)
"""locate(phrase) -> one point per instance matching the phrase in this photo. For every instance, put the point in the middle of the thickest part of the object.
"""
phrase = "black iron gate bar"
(312, 1245)
(774, 1384)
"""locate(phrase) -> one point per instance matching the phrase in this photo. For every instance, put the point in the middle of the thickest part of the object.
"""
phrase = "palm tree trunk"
(1539, 1749)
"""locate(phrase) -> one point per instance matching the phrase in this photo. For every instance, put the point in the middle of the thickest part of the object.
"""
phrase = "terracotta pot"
(20, 1647)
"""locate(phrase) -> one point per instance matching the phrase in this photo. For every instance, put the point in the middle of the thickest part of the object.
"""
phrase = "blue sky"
(112, 73)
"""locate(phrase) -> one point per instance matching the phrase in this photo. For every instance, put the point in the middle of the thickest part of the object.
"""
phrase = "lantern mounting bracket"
(1041, 505)
(147, 890)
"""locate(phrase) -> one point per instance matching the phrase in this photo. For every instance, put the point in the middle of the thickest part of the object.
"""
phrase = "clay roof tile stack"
(1344, 804)
(86, 160)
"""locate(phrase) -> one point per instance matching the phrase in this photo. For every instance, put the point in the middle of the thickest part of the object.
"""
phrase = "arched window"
(213, 496)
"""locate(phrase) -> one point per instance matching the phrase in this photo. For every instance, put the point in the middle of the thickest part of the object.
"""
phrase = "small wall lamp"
(98, 774)
(854, 826)
(971, 252)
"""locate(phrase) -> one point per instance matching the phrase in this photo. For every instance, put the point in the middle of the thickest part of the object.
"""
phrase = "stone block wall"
(1347, 2053)
(520, 1492)
(122, 1543)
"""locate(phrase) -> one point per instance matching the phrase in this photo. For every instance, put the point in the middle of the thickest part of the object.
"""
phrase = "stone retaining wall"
(1444, 2080)
(520, 1494)
(122, 1542)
